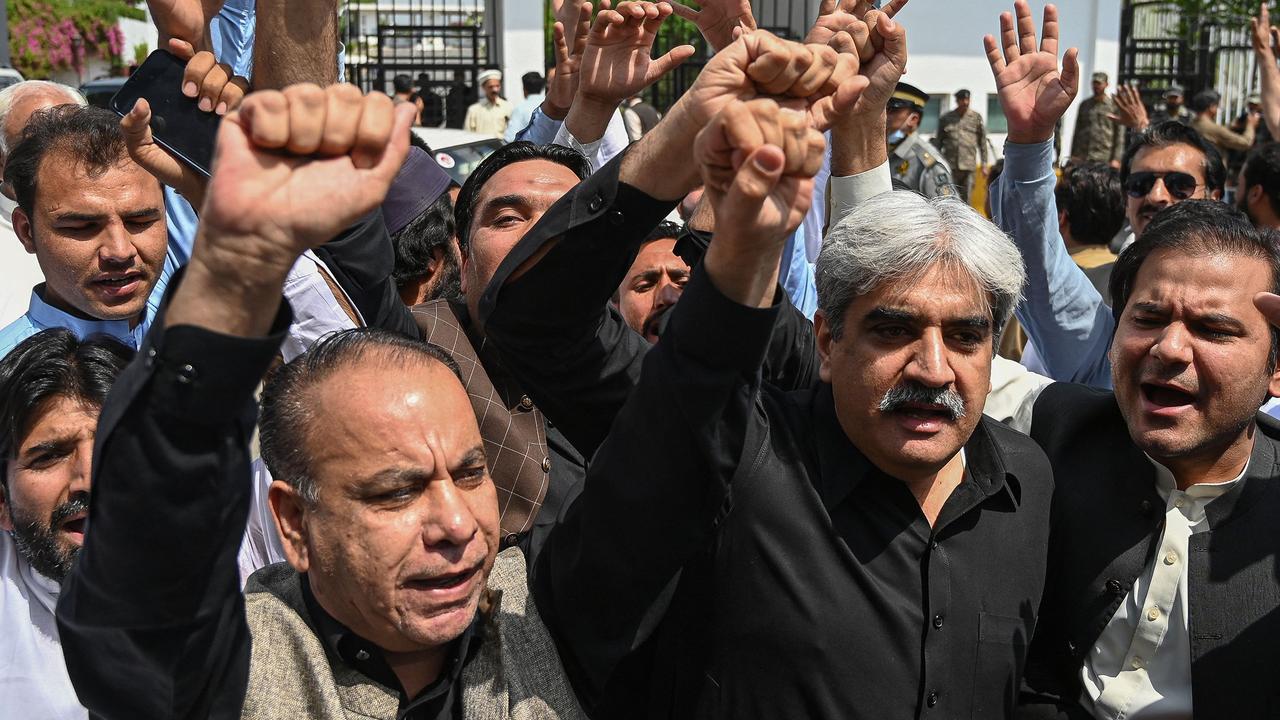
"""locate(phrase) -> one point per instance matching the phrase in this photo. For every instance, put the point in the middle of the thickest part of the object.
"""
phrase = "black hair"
(664, 231)
(509, 155)
(1172, 132)
(1093, 199)
(1262, 167)
(402, 83)
(533, 83)
(1197, 228)
(52, 364)
(286, 413)
(415, 242)
(91, 135)
(415, 140)
(1203, 100)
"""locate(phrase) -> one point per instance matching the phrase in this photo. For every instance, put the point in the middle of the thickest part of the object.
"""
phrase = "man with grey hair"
(21, 271)
(770, 537)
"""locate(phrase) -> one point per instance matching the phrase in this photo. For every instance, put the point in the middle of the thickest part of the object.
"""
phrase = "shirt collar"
(367, 658)
(45, 316)
(842, 467)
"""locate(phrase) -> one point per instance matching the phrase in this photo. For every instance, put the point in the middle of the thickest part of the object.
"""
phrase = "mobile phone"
(177, 123)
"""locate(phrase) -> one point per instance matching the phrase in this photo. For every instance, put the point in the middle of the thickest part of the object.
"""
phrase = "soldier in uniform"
(962, 136)
(1098, 138)
(1173, 109)
(912, 160)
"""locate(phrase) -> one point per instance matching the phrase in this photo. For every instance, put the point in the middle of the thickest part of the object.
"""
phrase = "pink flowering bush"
(48, 35)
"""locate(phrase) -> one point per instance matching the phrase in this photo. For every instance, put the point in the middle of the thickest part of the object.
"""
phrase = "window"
(997, 123)
(929, 121)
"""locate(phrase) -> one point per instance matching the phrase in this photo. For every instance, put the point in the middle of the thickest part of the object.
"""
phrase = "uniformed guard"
(912, 159)
(962, 137)
(1098, 138)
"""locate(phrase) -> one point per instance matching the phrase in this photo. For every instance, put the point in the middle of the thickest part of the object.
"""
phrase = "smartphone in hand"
(177, 123)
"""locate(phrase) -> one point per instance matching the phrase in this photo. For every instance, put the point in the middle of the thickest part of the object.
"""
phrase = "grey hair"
(11, 95)
(900, 236)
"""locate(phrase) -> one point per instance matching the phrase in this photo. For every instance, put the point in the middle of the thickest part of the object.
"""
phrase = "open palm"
(1032, 90)
(616, 63)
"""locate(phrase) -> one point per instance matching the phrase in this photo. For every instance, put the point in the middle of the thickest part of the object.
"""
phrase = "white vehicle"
(9, 76)
(458, 151)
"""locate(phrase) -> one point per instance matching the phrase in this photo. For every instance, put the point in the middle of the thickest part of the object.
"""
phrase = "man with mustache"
(51, 388)
(1062, 313)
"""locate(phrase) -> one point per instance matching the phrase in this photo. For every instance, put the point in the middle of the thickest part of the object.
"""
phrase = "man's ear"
(289, 511)
(1254, 194)
(22, 228)
(822, 331)
(6, 518)
(1215, 194)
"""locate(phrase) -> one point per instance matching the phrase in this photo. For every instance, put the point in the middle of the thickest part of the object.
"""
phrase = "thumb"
(667, 63)
(756, 178)
(1071, 71)
(1269, 305)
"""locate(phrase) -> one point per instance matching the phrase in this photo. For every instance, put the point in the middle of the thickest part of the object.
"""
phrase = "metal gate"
(1159, 48)
(441, 44)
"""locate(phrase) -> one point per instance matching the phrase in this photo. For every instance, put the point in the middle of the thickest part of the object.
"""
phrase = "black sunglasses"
(1179, 184)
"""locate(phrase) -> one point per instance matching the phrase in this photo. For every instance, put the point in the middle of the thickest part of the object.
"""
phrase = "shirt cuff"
(847, 192)
(205, 377)
(718, 331)
(1028, 162)
(564, 138)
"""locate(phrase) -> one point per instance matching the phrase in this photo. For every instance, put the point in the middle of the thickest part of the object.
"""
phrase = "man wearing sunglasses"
(1063, 314)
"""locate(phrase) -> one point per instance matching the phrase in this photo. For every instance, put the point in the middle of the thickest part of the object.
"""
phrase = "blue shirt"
(521, 115)
(1061, 311)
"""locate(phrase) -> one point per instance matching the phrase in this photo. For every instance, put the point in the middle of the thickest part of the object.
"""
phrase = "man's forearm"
(659, 165)
(295, 42)
(588, 118)
(858, 145)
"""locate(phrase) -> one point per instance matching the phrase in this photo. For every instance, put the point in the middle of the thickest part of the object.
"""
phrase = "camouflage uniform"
(1097, 137)
(920, 165)
(963, 140)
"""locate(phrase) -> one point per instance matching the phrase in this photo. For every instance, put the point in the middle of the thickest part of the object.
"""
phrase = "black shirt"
(739, 543)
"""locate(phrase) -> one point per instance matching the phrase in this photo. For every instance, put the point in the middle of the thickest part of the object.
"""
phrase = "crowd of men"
(326, 435)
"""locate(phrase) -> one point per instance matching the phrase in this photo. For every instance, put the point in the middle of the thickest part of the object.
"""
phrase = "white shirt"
(33, 675)
(18, 268)
(1140, 666)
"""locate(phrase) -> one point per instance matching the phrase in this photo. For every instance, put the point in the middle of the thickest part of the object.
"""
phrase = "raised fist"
(293, 168)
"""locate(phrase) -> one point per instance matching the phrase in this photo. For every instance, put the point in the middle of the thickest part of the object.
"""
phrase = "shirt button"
(617, 218)
(186, 374)
(1153, 614)
(1179, 503)
(1114, 586)
(1136, 664)
(546, 465)
(596, 203)
(933, 545)
(932, 699)
(362, 655)
(1170, 558)
(937, 621)
(526, 403)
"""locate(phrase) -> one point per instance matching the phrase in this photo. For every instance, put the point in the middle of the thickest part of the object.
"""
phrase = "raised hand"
(616, 63)
(293, 168)
(882, 66)
(719, 21)
(186, 20)
(1266, 39)
(569, 46)
(1032, 90)
(218, 90)
(758, 160)
(837, 15)
(1130, 112)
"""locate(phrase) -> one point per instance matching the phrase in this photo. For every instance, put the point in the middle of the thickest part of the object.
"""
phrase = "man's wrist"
(554, 111)
(858, 144)
(659, 163)
(1030, 137)
(589, 117)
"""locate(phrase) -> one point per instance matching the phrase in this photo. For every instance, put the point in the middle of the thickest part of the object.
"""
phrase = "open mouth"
(121, 284)
(1165, 396)
(76, 525)
(451, 581)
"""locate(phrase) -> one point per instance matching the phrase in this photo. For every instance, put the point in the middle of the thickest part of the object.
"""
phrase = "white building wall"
(523, 44)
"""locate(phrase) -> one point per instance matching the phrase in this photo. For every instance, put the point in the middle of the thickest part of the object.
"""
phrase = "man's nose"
(667, 295)
(449, 518)
(929, 365)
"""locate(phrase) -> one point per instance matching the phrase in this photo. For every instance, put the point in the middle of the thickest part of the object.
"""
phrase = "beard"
(38, 542)
(447, 282)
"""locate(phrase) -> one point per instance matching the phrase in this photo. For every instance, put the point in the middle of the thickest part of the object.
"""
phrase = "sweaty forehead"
(1178, 157)
(1201, 281)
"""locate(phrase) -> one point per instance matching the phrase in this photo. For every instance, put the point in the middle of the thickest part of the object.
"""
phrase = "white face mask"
(897, 136)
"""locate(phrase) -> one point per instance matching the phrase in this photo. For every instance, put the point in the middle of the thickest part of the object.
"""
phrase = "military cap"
(962, 94)
(908, 96)
(1100, 77)
(1173, 91)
